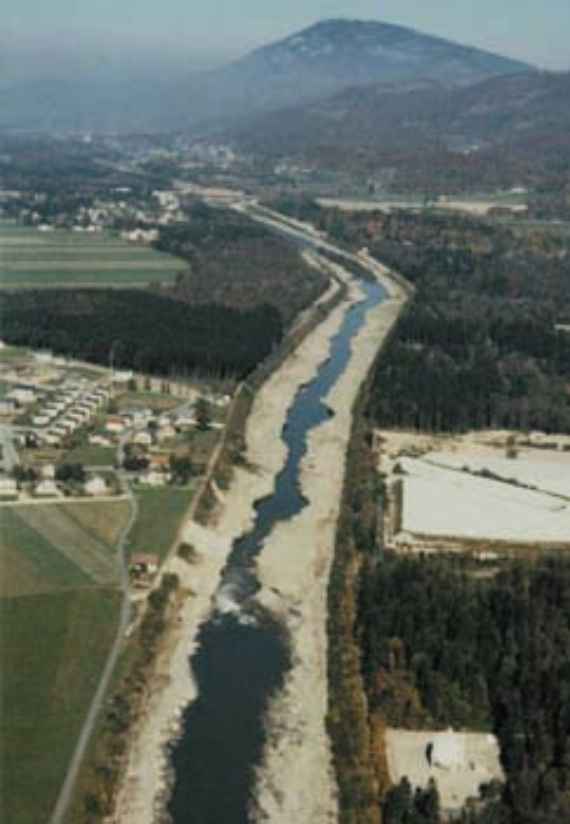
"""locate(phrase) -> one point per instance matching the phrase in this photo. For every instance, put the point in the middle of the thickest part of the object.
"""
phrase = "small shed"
(96, 486)
(144, 563)
(8, 487)
(47, 489)
(143, 438)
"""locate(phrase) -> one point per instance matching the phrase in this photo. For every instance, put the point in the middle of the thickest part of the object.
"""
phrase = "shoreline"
(293, 570)
(144, 789)
(140, 799)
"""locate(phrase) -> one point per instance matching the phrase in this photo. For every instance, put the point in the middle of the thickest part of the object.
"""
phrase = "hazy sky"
(213, 30)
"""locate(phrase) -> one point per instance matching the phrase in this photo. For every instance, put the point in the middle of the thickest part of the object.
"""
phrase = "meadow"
(29, 258)
(53, 646)
(160, 516)
(59, 611)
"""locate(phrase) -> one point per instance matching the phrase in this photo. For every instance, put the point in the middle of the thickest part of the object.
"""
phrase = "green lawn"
(92, 455)
(31, 258)
(160, 516)
(52, 648)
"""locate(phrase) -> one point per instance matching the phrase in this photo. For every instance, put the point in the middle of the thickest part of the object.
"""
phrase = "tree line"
(139, 330)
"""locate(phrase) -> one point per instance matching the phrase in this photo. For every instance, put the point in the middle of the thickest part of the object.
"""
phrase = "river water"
(242, 655)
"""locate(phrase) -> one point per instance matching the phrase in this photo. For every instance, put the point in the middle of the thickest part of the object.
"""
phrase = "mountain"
(129, 94)
(499, 133)
(511, 109)
(334, 54)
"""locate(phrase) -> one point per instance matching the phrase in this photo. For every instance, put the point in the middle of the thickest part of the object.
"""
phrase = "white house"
(23, 396)
(143, 438)
(99, 440)
(165, 433)
(185, 421)
(8, 488)
(47, 489)
(115, 425)
(153, 478)
(96, 486)
(48, 471)
(7, 407)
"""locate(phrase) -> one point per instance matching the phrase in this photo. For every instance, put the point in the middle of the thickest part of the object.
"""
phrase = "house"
(96, 486)
(165, 433)
(160, 461)
(22, 396)
(143, 438)
(185, 421)
(41, 420)
(144, 563)
(51, 439)
(48, 471)
(99, 440)
(154, 478)
(47, 489)
(8, 488)
(115, 424)
(7, 407)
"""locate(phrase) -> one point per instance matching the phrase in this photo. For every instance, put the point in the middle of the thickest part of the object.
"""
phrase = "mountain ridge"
(309, 64)
(335, 53)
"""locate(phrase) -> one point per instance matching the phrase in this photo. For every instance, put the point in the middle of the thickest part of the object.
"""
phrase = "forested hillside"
(443, 646)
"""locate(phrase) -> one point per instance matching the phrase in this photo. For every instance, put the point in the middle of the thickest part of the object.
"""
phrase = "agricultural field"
(29, 258)
(59, 610)
(160, 516)
(53, 646)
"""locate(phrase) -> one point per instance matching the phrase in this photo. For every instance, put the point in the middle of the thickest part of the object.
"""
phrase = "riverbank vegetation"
(358, 747)
(99, 775)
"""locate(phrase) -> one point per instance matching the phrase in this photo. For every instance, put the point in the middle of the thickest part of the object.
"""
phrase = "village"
(76, 431)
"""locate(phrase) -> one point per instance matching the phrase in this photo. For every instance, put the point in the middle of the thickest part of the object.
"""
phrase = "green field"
(29, 258)
(59, 610)
(92, 455)
(52, 648)
(160, 516)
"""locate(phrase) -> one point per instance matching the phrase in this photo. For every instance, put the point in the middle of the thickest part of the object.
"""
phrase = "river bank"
(292, 586)
(294, 572)
(145, 784)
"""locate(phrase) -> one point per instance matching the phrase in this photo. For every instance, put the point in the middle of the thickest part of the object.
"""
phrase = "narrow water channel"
(242, 656)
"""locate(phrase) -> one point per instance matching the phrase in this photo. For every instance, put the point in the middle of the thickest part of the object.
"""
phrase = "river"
(242, 655)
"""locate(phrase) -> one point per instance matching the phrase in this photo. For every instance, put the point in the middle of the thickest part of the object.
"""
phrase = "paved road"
(66, 791)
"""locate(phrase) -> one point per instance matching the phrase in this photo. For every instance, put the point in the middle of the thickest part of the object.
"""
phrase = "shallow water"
(242, 656)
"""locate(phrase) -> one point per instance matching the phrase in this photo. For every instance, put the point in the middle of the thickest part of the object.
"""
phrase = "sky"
(208, 32)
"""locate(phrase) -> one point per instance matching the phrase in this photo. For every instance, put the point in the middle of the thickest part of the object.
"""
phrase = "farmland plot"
(29, 258)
